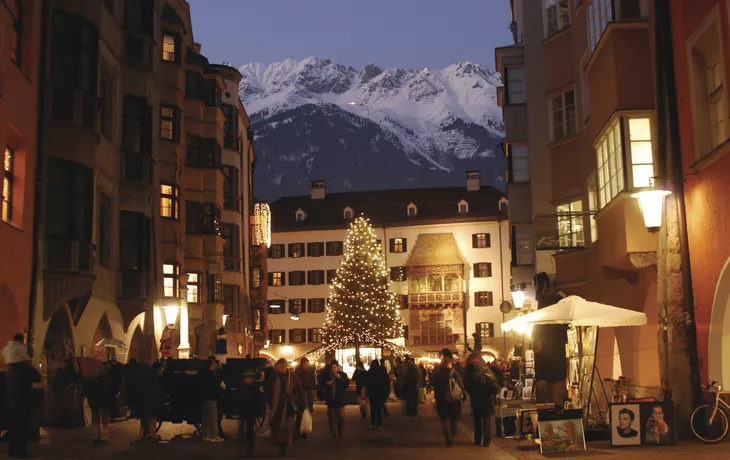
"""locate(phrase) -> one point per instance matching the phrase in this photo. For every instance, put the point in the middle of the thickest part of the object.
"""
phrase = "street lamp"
(171, 314)
(651, 203)
(518, 292)
(224, 318)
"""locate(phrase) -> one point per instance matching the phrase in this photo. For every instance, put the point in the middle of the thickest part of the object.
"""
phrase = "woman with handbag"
(449, 393)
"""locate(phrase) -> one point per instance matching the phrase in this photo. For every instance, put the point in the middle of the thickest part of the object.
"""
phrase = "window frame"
(171, 291)
(254, 277)
(297, 278)
(479, 327)
(337, 245)
(519, 258)
(318, 309)
(316, 277)
(511, 83)
(482, 270)
(273, 254)
(281, 279)
(298, 335)
(7, 191)
(194, 280)
(297, 250)
(231, 234)
(315, 249)
(611, 180)
(524, 177)
(297, 306)
(278, 336)
(276, 311)
(174, 201)
(330, 275)
(175, 47)
(398, 245)
(16, 43)
(567, 220)
(483, 299)
(476, 240)
(313, 334)
(562, 18)
(562, 112)
(173, 119)
(629, 146)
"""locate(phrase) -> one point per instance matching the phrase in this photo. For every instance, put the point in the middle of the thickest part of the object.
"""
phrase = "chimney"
(472, 181)
(319, 189)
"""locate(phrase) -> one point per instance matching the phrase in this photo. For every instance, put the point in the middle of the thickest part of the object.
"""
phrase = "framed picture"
(657, 423)
(574, 374)
(573, 341)
(625, 425)
(561, 436)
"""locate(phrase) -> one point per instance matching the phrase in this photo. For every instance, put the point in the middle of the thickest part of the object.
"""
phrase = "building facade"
(447, 250)
(146, 191)
(591, 126)
(20, 23)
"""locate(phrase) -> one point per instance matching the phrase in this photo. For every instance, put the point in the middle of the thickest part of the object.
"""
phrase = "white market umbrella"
(113, 343)
(577, 311)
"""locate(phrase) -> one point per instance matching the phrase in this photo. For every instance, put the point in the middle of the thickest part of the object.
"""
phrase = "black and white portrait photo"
(625, 425)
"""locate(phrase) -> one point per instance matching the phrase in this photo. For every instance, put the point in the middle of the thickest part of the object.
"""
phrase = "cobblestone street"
(404, 438)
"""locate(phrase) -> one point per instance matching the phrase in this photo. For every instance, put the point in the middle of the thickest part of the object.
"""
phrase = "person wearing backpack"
(482, 386)
(449, 393)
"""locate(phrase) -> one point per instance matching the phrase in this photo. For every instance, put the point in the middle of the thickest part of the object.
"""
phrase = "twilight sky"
(390, 33)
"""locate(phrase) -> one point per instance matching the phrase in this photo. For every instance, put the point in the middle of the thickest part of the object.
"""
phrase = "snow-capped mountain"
(371, 128)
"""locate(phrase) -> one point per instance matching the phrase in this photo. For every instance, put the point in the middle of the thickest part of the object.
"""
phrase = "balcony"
(68, 271)
(436, 340)
(444, 299)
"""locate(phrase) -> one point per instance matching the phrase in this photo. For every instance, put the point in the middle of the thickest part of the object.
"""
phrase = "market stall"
(584, 318)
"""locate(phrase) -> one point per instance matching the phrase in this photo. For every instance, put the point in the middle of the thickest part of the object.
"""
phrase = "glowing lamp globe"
(171, 312)
(651, 203)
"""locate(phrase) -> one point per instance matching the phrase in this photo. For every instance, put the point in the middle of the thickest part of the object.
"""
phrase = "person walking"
(360, 377)
(411, 381)
(285, 397)
(305, 374)
(481, 384)
(21, 376)
(211, 389)
(377, 389)
(449, 393)
(337, 383)
(251, 406)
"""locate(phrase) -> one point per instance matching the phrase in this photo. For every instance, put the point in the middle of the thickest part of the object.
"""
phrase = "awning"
(578, 312)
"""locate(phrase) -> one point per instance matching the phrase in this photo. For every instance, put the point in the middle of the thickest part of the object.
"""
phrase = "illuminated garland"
(360, 307)
(315, 355)
(262, 224)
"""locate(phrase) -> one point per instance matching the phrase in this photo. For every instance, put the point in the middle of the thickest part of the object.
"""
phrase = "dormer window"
(412, 209)
(301, 215)
(463, 207)
(503, 204)
(348, 213)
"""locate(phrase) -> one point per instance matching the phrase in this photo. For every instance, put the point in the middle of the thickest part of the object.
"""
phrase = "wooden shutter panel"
(392, 245)
(474, 242)
(283, 279)
(491, 329)
(270, 253)
(506, 84)
(489, 240)
(489, 269)
(271, 279)
(309, 335)
(309, 249)
(291, 250)
(513, 245)
(476, 299)
(478, 329)
(271, 335)
(405, 245)
(291, 278)
(490, 299)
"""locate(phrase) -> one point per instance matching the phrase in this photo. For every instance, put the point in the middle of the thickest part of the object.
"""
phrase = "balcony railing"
(440, 339)
(435, 297)
(65, 254)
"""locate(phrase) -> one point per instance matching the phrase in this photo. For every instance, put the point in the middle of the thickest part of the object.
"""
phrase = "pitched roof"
(387, 208)
(435, 249)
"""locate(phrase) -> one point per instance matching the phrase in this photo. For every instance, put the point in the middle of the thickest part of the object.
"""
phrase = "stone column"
(183, 350)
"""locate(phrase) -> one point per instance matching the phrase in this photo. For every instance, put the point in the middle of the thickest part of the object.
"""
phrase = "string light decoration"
(262, 224)
(360, 309)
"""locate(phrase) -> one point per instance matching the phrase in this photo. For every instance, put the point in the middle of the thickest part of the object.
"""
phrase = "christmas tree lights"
(360, 309)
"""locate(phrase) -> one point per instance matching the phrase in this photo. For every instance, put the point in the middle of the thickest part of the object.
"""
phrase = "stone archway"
(103, 331)
(63, 409)
(718, 350)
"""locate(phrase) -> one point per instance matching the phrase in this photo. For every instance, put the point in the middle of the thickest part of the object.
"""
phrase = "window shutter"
(309, 277)
(474, 240)
(271, 279)
(479, 329)
(271, 335)
(309, 335)
(405, 332)
(490, 299)
(405, 273)
(506, 84)
(309, 249)
(489, 269)
(309, 305)
(283, 279)
(270, 253)
(291, 250)
(489, 240)
(405, 245)
(513, 245)
(291, 278)
(392, 245)
(476, 299)
(491, 329)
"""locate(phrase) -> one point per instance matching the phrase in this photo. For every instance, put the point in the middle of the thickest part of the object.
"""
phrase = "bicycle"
(710, 421)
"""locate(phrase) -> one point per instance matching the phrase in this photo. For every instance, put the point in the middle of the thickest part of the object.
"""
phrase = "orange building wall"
(18, 127)
(707, 193)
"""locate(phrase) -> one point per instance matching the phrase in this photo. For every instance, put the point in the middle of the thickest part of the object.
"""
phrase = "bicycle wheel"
(706, 431)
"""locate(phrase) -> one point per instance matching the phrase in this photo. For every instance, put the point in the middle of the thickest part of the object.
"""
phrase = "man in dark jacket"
(305, 374)
(411, 381)
(336, 384)
(481, 384)
(447, 407)
(21, 376)
(377, 388)
(251, 406)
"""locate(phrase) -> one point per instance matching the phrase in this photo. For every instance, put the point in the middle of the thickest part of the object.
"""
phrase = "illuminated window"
(276, 251)
(258, 319)
(610, 160)
(169, 201)
(296, 250)
(315, 335)
(255, 277)
(168, 123)
(482, 270)
(481, 240)
(278, 336)
(171, 279)
(193, 287)
(485, 330)
(570, 224)
(8, 184)
(398, 245)
(168, 48)
(593, 206)
(641, 152)
(276, 279)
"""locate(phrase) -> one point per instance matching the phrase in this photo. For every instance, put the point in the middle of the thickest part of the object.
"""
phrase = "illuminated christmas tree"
(360, 309)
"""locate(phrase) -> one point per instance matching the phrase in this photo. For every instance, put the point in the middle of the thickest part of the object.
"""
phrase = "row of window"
(336, 248)
(279, 336)
(317, 305)
(217, 292)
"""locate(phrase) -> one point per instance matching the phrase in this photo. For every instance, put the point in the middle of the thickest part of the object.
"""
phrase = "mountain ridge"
(421, 127)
